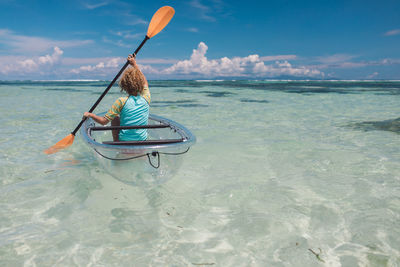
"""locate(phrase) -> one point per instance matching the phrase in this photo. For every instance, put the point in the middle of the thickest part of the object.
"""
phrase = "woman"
(130, 110)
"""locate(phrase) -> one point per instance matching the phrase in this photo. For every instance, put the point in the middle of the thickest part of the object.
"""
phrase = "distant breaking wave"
(210, 80)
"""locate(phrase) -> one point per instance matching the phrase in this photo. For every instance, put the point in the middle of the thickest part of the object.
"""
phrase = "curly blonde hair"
(132, 81)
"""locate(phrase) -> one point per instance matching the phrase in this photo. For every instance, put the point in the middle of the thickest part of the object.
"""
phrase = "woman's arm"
(98, 119)
(132, 61)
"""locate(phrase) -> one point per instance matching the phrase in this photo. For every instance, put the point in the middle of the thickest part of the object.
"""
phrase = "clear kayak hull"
(142, 163)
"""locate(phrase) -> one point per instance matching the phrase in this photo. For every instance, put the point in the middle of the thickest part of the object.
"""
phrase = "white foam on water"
(195, 236)
(222, 247)
(209, 80)
(97, 254)
(23, 249)
(30, 262)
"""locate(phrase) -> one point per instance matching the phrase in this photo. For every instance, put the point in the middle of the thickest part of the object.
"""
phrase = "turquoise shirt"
(134, 112)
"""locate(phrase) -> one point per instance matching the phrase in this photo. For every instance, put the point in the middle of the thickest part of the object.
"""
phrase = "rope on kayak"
(154, 154)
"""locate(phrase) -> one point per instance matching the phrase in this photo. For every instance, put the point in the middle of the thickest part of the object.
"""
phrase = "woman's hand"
(96, 118)
(86, 114)
(132, 59)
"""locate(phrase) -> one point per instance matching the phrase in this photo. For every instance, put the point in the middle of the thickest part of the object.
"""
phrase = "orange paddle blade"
(64, 143)
(159, 20)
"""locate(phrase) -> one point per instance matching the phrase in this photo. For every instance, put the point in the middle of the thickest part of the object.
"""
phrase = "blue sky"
(206, 39)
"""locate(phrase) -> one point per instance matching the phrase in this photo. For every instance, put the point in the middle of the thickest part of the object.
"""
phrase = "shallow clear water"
(283, 174)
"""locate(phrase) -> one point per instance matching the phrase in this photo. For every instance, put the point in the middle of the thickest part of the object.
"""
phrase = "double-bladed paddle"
(159, 20)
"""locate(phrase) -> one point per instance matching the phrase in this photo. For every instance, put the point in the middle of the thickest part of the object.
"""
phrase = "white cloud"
(335, 59)
(114, 62)
(341, 61)
(392, 32)
(389, 61)
(373, 75)
(70, 61)
(252, 65)
(133, 35)
(94, 5)
(147, 69)
(29, 65)
(158, 61)
(192, 29)
(102, 68)
(203, 9)
(285, 68)
(127, 34)
(129, 18)
(32, 44)
(82, 61)
(135, 21)
(55, 65)
(119, 43)
(278, 57)
(110, 65)
(51, 59)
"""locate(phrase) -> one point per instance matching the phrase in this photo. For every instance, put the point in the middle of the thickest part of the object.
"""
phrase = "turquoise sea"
(284, 173)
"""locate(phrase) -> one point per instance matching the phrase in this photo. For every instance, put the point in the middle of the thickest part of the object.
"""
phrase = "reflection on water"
(67, 90)
(385, 125)
(245, 100)
(217, 93)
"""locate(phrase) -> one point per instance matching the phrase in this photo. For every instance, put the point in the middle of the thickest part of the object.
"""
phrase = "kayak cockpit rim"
(186, 137)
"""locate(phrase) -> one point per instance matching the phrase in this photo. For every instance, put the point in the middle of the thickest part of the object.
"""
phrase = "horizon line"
(218, 80)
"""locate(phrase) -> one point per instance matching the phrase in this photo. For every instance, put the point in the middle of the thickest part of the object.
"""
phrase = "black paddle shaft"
(110, 85)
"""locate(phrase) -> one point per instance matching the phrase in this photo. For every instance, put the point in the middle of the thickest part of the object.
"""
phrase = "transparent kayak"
(148, 162)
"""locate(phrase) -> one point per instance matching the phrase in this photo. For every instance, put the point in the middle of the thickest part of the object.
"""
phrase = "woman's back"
(134, 112)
